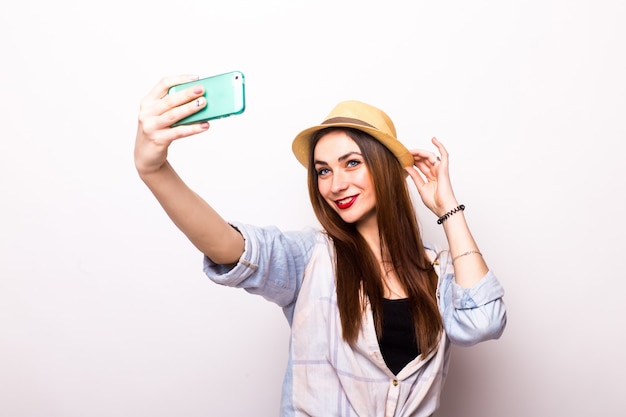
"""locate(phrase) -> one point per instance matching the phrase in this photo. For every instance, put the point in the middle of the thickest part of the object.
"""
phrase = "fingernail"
(197, 89)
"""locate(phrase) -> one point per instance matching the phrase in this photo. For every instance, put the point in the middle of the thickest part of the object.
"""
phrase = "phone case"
(224, 94)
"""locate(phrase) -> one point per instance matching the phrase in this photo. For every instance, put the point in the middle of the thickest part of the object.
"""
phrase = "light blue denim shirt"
(326, 376)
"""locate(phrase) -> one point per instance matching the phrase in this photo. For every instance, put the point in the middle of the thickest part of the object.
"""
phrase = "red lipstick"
(346, 203)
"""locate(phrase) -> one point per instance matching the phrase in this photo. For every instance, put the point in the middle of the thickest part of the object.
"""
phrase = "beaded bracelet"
(450, 213)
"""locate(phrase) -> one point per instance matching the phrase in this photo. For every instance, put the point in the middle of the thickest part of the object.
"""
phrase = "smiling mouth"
(346, 202)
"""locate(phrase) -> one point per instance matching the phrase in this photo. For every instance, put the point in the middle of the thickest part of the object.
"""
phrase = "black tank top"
(398, 345)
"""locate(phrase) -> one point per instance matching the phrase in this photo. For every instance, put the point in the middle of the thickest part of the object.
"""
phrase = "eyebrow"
(340, 159)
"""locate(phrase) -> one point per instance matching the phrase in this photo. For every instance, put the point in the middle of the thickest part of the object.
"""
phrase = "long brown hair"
(358, 274)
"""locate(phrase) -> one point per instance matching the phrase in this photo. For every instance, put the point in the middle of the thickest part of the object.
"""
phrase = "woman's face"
(343, 179)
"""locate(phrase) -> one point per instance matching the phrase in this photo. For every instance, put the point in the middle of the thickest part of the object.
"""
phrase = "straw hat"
(357, 115)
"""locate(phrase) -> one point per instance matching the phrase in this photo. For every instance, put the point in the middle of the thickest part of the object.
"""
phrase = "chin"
(351, 219)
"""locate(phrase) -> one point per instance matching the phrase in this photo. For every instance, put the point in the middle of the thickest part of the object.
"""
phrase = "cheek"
(365, 181)
(322, 187)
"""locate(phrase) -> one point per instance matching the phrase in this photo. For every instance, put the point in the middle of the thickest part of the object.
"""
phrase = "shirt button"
(395, 382)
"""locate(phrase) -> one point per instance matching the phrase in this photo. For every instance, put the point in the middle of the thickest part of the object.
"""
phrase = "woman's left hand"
(432, 179)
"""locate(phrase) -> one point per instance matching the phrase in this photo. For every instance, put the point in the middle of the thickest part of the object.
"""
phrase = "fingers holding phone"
(158, 111)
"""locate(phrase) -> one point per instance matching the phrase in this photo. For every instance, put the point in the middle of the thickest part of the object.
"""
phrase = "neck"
(393, 289)
(369, 231)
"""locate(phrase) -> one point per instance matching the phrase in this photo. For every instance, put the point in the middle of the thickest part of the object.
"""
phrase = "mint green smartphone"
(225, 96)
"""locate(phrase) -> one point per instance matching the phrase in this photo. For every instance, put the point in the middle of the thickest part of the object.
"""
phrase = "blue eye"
(353, 162)
(322, 171)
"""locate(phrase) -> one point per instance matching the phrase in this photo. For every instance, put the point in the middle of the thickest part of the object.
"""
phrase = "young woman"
(372, 309)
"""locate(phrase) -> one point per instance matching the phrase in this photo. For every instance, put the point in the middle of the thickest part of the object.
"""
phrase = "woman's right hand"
(157, 113)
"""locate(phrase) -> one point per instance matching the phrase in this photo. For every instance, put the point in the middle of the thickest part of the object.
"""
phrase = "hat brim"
(302, 143)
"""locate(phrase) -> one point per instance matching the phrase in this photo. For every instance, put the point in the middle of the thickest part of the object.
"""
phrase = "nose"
(339, 182)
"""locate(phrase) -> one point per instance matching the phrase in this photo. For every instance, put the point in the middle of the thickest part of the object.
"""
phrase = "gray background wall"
(104, 310)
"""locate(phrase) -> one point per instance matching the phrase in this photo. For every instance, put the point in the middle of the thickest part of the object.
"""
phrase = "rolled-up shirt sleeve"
(471, 315)
(272, 264)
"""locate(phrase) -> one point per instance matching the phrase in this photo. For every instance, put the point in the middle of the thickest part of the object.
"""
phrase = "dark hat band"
(338, 120)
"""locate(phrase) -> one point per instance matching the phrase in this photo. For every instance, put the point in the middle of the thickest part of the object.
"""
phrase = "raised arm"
(431, 176)
(204, 227)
